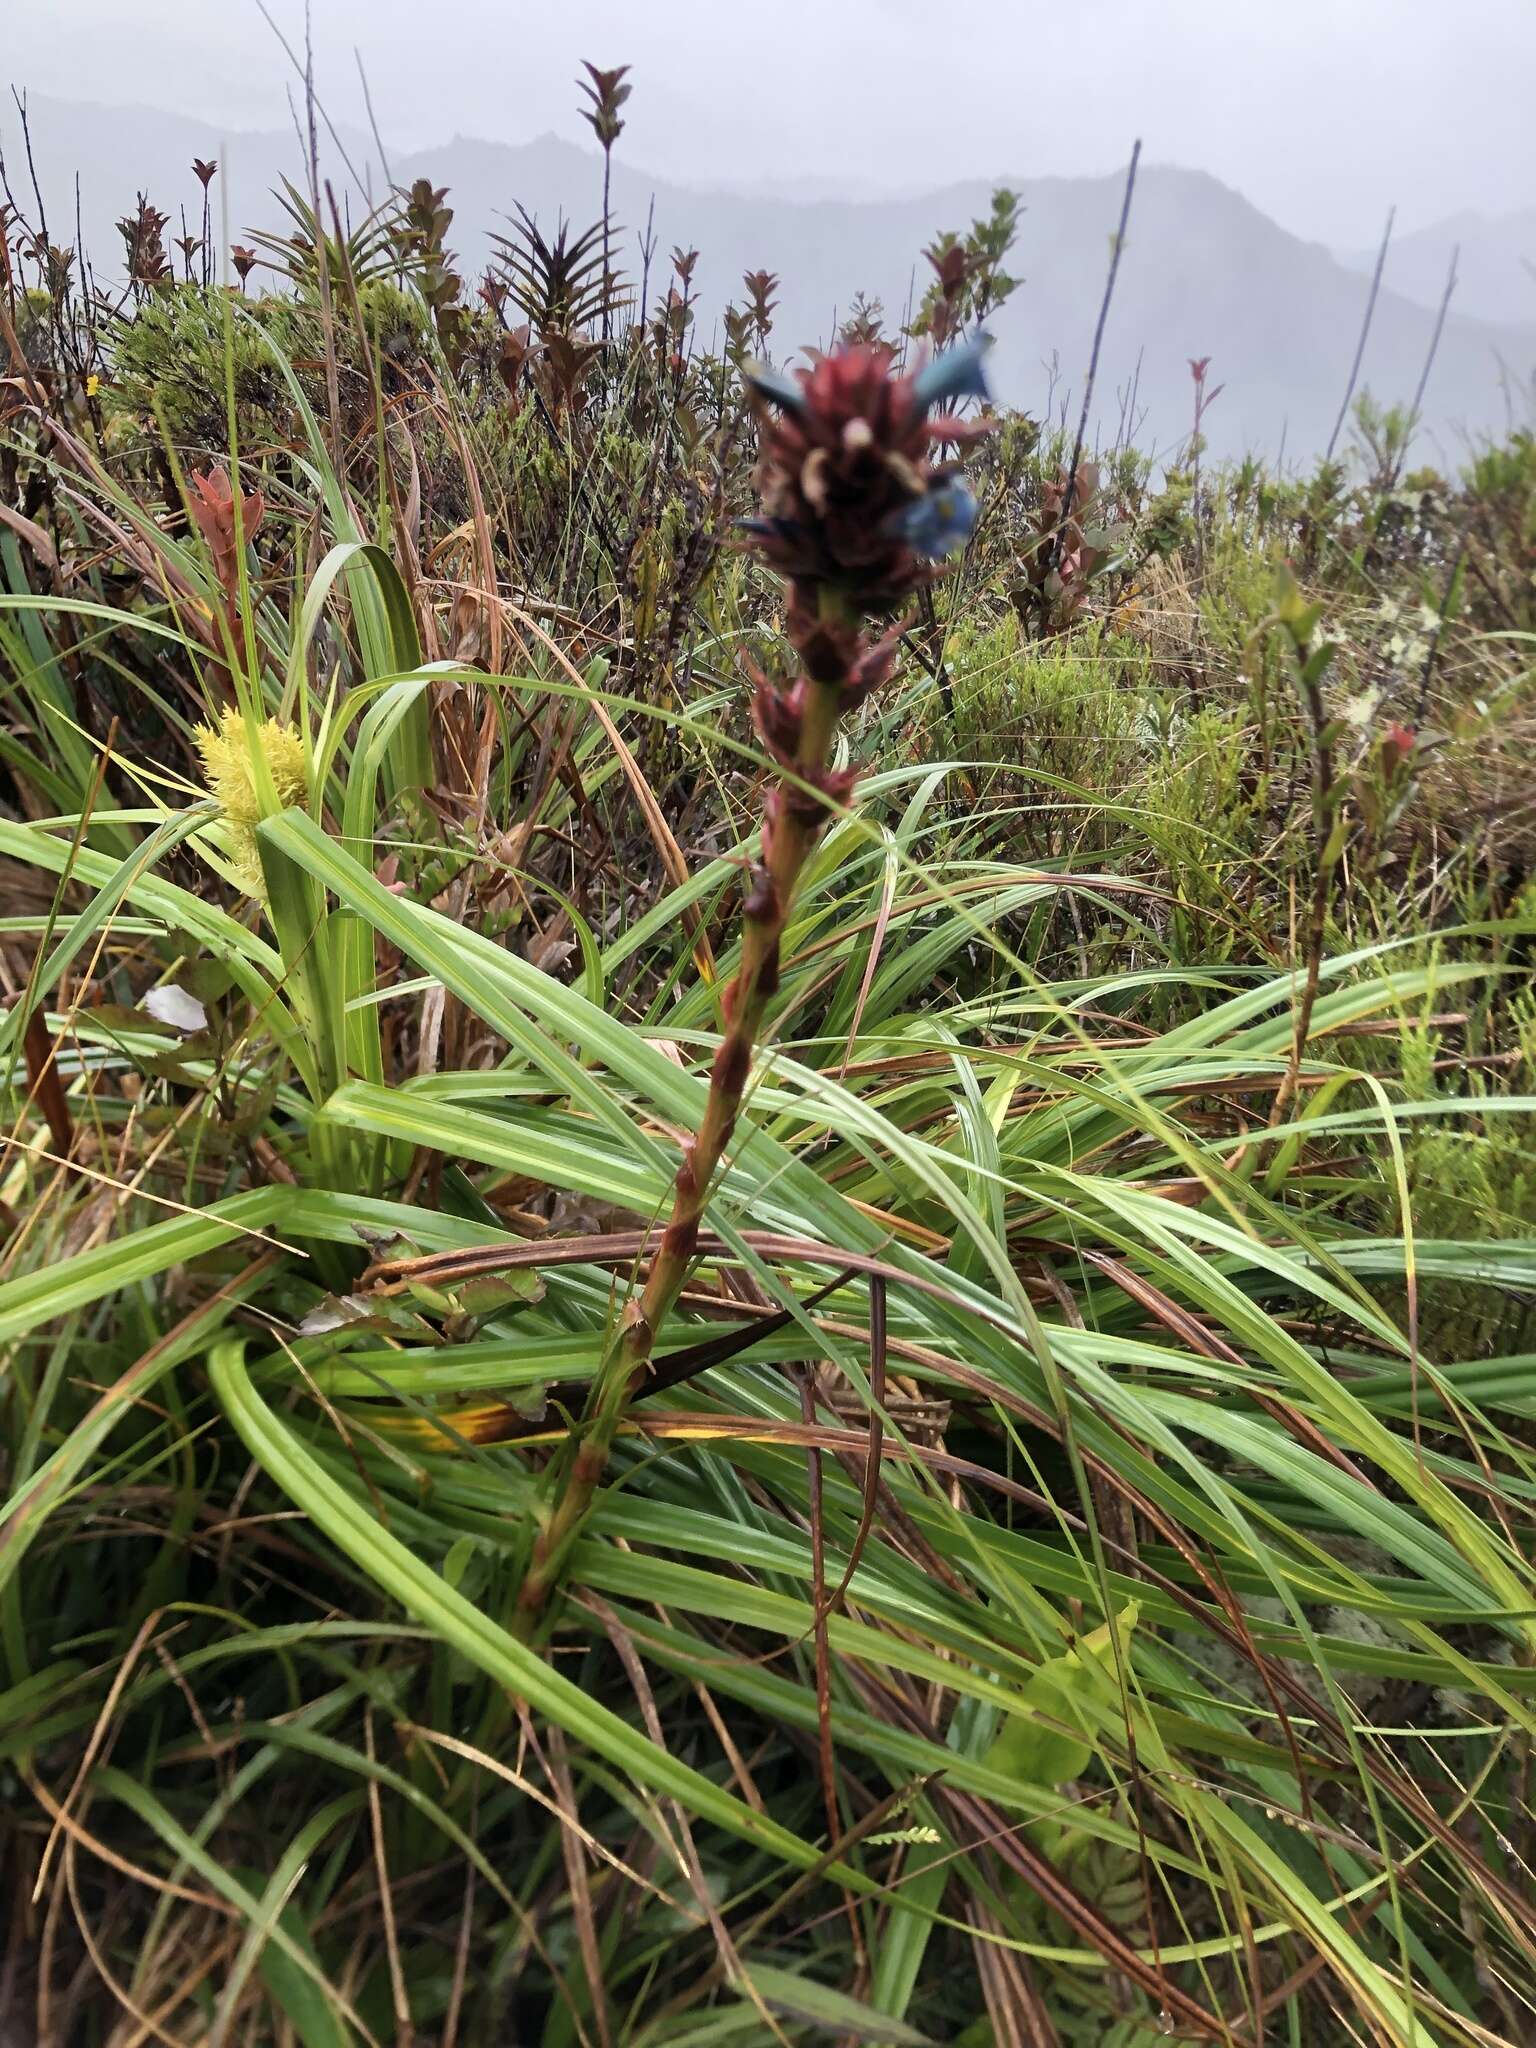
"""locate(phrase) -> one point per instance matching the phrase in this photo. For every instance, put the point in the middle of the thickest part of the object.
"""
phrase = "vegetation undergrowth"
(1054, 1565)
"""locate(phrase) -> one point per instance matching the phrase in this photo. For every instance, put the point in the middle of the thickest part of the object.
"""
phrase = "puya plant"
(857, 517)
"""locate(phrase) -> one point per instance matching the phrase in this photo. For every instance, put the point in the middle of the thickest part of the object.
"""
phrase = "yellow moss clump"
(231, 776)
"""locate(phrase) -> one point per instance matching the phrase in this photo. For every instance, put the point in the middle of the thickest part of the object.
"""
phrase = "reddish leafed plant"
(212, 506)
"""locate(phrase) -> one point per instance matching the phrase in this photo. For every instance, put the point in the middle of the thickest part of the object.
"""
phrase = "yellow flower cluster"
(231, 775)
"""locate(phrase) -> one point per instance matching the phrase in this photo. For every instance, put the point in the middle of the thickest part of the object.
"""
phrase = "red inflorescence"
(845, 458)
(855, 514)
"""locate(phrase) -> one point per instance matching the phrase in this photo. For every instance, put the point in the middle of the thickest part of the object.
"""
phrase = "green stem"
(622, 1372)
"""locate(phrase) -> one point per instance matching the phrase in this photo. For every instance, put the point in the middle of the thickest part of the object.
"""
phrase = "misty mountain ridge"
(1204, 271)
(1495, 263)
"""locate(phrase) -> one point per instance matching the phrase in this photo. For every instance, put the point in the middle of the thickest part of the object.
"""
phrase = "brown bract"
(212, 506)
(844, 464)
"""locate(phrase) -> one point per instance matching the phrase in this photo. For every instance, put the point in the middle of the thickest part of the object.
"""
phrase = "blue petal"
(939, 523)
(958, 373)
(769, 529)
(776, 386)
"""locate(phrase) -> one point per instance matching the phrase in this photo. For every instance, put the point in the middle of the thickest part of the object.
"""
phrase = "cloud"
(1322, 111)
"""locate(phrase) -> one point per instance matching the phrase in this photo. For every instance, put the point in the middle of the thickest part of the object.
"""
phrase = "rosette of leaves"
(557, 283)
(365, 251)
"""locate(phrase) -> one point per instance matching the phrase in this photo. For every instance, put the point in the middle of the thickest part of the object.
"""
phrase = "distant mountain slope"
(1495, 269)
(1204, 273)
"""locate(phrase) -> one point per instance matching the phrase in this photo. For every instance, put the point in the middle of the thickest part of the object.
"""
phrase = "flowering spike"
(850, 506)
(231, 775)
(854, 514)
(958, 373)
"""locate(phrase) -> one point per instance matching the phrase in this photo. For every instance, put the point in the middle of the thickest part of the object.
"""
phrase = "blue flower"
(940, 522)
(958, 373)
(776, 386)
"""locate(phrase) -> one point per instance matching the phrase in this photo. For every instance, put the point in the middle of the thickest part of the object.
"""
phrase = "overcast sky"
(1324, 112)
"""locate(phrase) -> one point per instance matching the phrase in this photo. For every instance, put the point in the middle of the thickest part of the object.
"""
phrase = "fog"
(1323, 112)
